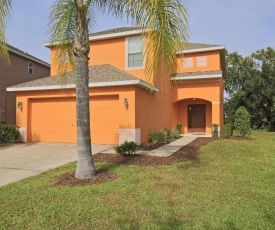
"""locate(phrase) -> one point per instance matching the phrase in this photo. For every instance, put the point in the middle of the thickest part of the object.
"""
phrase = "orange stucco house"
(123, 105)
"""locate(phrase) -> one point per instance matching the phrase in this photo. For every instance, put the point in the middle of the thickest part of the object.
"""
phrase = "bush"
(215, 130)
(127, 148)
(271, 125)
(178, 127)
(173, 134)
(242, 121)
(227, 130)
(158, 136)
(9, 133)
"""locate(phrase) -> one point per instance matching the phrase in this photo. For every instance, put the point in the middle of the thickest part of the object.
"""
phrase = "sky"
(244, 26)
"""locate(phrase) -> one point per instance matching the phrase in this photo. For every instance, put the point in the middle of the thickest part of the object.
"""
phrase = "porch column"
(216, 114)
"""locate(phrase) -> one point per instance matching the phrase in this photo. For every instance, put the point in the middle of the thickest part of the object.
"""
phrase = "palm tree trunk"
(85, 166)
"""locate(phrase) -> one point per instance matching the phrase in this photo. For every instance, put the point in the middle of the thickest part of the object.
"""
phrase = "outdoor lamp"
(126, 101)
(19, 105)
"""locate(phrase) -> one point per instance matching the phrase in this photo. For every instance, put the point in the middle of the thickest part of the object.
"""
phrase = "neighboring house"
(123, 105)
(23, 68)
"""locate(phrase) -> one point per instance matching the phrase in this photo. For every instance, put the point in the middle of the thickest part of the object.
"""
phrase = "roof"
(99, 76)
(197, 75)
(26, 55)
(131, 31)
(116, 30)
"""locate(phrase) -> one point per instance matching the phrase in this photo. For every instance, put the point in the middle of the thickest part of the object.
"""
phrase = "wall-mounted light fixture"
(126, 102)
(19, 105)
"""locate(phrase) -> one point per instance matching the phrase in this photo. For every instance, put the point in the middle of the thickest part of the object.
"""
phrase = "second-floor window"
(135, 57)
(202, 61)
(30, 67)
(187, 62)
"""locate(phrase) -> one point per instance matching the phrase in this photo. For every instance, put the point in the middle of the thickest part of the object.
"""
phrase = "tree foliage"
(250, 83)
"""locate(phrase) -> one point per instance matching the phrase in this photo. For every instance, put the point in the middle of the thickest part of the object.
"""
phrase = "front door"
(196, 118)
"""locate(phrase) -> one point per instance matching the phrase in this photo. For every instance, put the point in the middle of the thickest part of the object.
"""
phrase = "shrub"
(127, 148)
(9, 133)
(271, 125)
(159, 136)
(173, 134)
(242, 121)
(227, 130)
(215, 130)
(178, 127)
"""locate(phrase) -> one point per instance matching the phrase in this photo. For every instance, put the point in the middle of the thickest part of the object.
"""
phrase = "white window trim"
(31, 68)
(126, 55)
(189, 58)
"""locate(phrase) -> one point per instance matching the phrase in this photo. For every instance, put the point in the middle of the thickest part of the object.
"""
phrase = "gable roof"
(99, 76)
(26, 55)
(115, 30)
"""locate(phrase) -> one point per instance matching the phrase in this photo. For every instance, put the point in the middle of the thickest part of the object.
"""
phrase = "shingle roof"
(188, 46)
(26, 55)
(217, 74)
(188, 74)
(97, 75)
(116, 30)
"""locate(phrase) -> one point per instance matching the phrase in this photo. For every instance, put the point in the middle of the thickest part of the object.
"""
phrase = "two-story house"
(123, 104)
(23, 67)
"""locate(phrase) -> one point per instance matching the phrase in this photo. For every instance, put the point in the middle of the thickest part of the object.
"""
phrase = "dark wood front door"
(196, 118)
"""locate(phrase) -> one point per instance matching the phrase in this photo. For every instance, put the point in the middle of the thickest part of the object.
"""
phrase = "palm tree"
(163, 22)
(5, 7)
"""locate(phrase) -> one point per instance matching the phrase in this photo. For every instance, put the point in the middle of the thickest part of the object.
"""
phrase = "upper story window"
(30, 67)
(135, 58)
(187, 62)
(201, 61)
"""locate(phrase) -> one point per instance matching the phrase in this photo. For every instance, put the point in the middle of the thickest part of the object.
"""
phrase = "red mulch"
(186, 153)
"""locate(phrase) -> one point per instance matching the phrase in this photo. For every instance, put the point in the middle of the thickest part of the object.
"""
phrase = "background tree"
(163, 23)
(250, 83)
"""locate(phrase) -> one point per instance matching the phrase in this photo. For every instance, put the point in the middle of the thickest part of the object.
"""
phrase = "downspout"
(2, 109)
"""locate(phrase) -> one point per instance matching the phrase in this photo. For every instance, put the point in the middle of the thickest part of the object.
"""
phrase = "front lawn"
(230, 186)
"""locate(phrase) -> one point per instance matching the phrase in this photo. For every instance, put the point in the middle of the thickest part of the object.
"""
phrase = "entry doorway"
(197, 118)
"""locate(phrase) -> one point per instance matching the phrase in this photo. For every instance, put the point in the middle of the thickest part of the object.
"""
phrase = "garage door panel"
(54, 119)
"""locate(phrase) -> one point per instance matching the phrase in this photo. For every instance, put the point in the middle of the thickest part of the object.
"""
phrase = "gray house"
(23, 68)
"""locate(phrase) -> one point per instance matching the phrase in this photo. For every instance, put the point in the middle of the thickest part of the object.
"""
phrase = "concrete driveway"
(21, 161)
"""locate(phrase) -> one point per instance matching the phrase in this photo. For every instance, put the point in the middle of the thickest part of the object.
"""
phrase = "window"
(187, 62)
(30, 67)
(201, 61)
(135, 52)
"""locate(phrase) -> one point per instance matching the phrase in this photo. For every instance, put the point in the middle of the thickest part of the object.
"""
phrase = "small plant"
(242, 121)
(159, 136)
(174, 134)
(9, 133)
(127, 148)
(215, 130)
(227, 130)
(178, 127)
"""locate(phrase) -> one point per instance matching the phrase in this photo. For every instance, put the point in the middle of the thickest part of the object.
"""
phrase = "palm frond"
(165, 26)
(5, 7)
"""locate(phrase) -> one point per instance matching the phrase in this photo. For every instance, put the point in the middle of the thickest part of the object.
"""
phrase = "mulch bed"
(186, 153)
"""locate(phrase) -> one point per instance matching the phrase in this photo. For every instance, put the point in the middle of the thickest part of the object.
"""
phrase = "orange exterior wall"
(208, 93)
(153, 112)
(213, 62)
(126, 116)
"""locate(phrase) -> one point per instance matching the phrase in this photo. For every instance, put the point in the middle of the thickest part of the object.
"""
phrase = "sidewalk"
(165, 150)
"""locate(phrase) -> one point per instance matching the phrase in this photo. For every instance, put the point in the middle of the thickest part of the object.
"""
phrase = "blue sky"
(240, 25)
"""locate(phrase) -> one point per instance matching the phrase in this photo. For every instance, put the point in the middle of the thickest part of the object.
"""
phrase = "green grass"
(2, 144)
(232, 186)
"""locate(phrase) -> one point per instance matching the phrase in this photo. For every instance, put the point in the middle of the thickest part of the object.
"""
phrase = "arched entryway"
(195, 115)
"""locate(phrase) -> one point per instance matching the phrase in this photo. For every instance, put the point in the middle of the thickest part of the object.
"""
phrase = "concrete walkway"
(165, 150)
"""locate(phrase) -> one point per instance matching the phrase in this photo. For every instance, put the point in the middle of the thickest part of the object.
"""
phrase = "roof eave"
(199, 50)
(199, 77)
(27, 56)
(137, 82)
